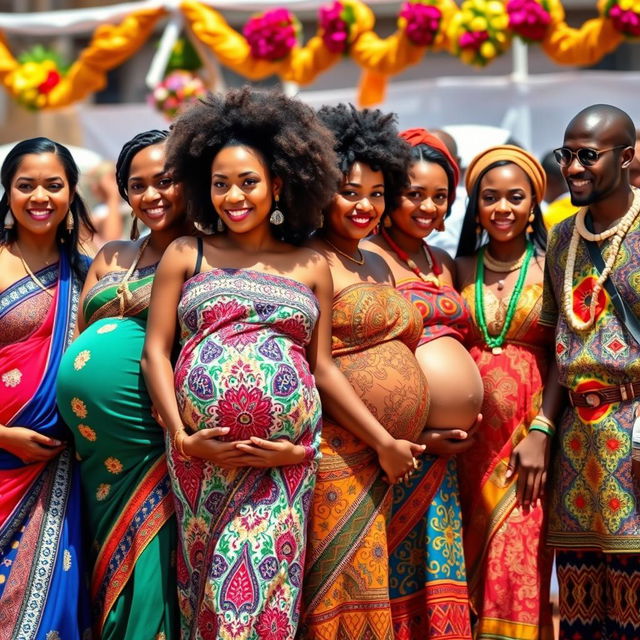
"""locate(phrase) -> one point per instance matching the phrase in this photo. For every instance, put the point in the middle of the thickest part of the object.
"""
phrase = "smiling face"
(588, 185)
(424, 203)
(153, 195)
(39, 195)
(359, 203)
(242, 190)
(505, 202)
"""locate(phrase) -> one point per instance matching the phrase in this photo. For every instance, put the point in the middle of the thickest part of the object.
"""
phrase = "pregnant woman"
(103, 399)
(254, 318)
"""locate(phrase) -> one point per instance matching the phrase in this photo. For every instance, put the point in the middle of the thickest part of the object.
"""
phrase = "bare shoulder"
(443, 258)
(378, 267)
(118, 254)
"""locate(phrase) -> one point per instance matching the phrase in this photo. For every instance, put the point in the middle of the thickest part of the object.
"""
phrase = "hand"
(449, 442)
(269, 453)
(397, 458)
(530, 459)
(203, 444)
(29, 445)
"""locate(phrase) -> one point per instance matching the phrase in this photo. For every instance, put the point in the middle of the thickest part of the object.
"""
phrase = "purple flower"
(335, 30)
(271, 35)
(423, 22)
(473, 39)
(627, 22)
(528, 19)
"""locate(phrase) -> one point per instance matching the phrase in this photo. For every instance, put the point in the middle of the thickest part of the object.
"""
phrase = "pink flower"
(627, 22)
(335, 30)
(246, 411)
(273, 624)
(473, 39)
(528, 19)
(271, 35)
(423, 22)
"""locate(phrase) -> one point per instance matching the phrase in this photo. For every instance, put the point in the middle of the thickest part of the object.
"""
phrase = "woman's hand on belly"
(203, 444)
(449, 442)
(270, 453)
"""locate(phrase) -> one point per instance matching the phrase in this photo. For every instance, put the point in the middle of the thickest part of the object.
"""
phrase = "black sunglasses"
(587, 157)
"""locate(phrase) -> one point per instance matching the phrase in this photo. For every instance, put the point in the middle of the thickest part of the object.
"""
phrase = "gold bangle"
(544, 420)
(543, 428)
(178, 443)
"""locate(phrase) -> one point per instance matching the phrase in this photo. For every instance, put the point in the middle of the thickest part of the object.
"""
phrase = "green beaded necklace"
(495, 342)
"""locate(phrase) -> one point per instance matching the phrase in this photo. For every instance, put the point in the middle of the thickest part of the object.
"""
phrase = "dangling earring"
(69, 221)
(135, 234)
(478, 226)
(276, 217)
(220, 225)
(386, 222)
(530, 226)
(9, 220)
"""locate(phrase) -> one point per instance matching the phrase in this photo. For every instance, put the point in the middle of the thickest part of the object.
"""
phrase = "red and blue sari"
(41, 585)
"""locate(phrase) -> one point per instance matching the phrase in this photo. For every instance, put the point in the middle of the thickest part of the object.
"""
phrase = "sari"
(428, 584)
(243, 530)
(124, 477)
(346, 589)
(41, 587)
(508, 564)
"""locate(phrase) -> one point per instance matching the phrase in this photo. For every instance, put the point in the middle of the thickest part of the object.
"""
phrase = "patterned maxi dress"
(243, 531)
(346, 589)
(131, 527)
(428, 585)
(508, 565)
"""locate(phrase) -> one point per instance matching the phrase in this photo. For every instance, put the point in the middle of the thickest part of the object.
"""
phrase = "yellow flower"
(87, 432)
(499, 23)
(84, 356)
(501, 37)
(103, 491)
(468, 56)
(478, 24)
(79, 408)
(113, 465)
(495, 8)
(41, 101)
(468, 17)
(488, 50)
(626, 5)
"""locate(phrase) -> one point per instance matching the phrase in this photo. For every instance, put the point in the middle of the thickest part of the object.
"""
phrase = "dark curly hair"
(68, 242)
(371, 137)
(125, 158)
(296, 147)
(471, 241)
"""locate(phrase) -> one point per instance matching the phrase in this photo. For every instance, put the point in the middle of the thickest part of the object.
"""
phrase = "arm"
(29, 445)
(174, 268)
(339, 397)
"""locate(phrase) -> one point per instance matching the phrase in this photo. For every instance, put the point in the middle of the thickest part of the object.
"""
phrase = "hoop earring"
(135, 234)
(220, 225)
(69, 221)
(276, 217)
(9, 220)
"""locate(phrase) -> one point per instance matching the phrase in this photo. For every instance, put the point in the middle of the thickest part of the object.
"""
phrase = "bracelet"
(309, 452)
(544, 420)
(543, 428)
(178, 443)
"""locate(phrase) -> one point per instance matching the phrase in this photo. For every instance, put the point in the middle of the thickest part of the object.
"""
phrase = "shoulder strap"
(196, 271)
(625, 313)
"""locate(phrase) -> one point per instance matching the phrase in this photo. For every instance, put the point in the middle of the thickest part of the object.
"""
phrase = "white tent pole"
(167, 42)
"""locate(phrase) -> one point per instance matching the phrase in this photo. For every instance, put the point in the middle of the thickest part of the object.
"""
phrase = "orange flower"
(79, 408)
(87, 432)
(113, 465)
(103, 491)
(582, 299)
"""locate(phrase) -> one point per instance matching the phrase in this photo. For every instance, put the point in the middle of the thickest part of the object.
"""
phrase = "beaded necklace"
(495, 342)
(404, 256)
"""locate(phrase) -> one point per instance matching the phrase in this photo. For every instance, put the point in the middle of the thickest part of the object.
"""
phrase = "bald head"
(603, 122)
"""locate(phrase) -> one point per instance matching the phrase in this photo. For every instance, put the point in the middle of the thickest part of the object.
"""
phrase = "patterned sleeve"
(549, 313)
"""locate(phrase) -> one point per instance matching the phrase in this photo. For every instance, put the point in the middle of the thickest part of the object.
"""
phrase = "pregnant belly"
(454, 382)
(390, 382)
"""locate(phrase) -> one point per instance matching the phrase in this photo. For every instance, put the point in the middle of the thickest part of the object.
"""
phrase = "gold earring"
(386, 222)
(478, 226)
(531, 219)
(69, 221)
(9, 220)
(276, 217)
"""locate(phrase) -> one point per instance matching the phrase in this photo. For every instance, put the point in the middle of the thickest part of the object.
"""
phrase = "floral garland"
(271, 35)
(335, 22)
(625, 16)
(421, 21)
(178, 90)
(480, 32)
(39, 72)
(529, 19)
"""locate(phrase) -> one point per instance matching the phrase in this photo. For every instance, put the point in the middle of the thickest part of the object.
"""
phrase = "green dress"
(130, 513)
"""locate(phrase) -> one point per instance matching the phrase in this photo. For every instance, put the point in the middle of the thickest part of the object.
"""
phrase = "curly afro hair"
(287, 133)
(371, 137)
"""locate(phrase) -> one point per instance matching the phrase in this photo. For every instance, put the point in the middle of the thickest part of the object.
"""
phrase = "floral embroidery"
(66, 560)
(106, 328)
(87, 432)
(113, 465)
(12, 378)
(102, 491)
(81, 359)
(52, 635)
(79, 408)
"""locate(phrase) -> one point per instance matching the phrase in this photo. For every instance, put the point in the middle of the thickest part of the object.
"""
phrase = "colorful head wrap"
(416, 137)
(527, 162)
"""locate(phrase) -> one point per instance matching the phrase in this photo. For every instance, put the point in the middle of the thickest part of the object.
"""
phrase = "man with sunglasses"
(592, 297)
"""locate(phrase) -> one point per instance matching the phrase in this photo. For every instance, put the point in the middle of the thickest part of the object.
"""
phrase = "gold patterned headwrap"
(527, 162)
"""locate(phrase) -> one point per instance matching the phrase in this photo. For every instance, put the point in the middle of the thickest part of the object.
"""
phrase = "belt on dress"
(606, 395)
